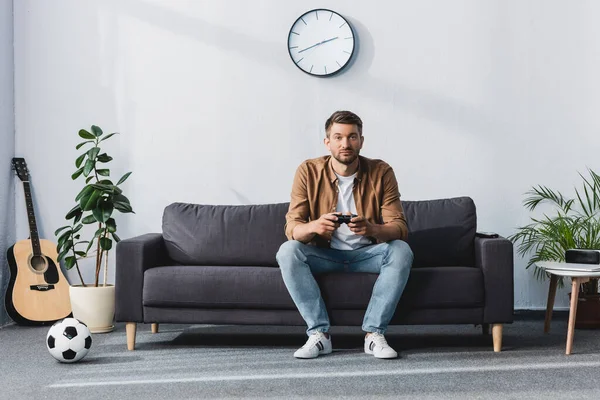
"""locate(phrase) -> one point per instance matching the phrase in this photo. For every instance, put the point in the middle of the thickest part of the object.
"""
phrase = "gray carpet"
(209, 362)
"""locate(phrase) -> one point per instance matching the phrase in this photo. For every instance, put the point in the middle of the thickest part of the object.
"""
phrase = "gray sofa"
(216, 265)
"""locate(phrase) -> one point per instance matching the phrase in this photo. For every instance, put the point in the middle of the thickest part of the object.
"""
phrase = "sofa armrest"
(133, 257)
(495, 258)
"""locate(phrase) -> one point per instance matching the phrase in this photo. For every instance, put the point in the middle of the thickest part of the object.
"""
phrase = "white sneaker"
(376, 344)
(316, 345)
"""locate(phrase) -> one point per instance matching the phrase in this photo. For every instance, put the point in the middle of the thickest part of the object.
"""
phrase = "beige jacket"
(314, 193)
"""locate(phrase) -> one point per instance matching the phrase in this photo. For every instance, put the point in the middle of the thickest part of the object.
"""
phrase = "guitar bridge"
(41, 288)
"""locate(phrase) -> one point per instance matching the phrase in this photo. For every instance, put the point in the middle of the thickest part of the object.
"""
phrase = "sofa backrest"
(197, 234)
(441, 232)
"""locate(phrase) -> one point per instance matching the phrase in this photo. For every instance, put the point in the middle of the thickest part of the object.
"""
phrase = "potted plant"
(95, 205)
(575, 224)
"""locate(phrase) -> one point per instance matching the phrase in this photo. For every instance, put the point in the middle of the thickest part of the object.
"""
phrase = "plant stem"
(76, 263)
(99, 251)
(98, 259)
(106, 268)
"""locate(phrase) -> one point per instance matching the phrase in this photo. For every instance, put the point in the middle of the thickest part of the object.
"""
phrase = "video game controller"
(345, 218)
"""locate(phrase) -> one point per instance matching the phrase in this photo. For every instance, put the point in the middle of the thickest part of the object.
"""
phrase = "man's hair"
(343, 117)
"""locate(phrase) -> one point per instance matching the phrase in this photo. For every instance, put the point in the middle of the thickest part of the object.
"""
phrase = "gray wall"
(7, 146)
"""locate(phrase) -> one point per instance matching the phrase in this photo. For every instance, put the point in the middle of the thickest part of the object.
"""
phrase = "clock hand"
(329, 40)
(317, 44)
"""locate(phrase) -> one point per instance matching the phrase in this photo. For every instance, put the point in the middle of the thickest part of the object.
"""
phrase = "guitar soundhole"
(38, 263)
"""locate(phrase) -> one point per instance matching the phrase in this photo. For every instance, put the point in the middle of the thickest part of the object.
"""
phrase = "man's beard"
(349, 160)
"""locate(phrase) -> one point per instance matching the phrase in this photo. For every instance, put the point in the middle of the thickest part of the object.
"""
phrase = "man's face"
(344, 142)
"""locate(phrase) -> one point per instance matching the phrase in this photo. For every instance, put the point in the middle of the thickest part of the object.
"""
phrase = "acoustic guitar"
(38, 293)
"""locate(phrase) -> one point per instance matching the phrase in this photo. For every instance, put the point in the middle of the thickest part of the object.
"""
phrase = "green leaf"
(90, 219)
(123, 178)
(69, 262)
(67, 245)
(103, 172)
(104, 158)
(89, 246)
(103, 210)
(103, 188)
(96, 130)
(73, 212)
(107, 188)
(79, 160)
(108, 136)
(86, 135)
(121, 199)
(76, 174)
(93, 153)
(88, 167)
(122, 204)
(63, 238)
(62, 228)
(105, 243)
(117, 238)
(123, 207)
(88, 179)
(89, 202)
(62, 254)
(111, 225)
(86, 190)
(81, 253)
(83, 144)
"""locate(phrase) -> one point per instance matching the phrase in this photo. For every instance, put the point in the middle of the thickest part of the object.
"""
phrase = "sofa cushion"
(224, 235)
(255, 287)
(216, 287)
(438, 287)
(441, 232)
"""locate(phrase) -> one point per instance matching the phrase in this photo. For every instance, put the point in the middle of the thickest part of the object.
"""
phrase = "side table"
(579, 273)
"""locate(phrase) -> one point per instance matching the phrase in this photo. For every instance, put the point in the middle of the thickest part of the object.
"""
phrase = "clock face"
(321, 42)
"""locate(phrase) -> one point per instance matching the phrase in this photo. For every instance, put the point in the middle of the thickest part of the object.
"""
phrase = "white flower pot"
(94, 306)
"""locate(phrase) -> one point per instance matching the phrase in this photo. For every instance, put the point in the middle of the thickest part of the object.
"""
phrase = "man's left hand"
(360, 226)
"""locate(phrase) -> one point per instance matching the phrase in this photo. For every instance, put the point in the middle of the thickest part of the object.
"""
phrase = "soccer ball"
(68, 340)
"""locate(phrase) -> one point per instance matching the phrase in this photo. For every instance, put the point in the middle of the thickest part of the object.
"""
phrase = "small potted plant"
(574, 225)
(95, 205)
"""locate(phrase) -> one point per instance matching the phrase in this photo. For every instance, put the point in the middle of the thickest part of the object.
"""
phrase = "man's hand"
(325, 225)
(360, 226)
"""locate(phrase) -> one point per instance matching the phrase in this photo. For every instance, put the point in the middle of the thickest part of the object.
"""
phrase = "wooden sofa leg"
(497, 337)
(130, 328)
(154, 328)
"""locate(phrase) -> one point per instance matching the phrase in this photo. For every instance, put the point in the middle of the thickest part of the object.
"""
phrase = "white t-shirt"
(343, 238)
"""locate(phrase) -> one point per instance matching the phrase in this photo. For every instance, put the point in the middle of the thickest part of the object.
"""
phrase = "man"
(323, 189)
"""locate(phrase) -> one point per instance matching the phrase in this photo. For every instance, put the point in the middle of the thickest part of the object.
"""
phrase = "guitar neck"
(33, 232)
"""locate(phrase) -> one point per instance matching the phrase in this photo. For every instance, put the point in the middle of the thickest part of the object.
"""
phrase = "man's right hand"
(325, 225)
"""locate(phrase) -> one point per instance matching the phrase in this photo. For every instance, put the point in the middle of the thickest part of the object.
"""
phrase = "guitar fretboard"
(35, 238)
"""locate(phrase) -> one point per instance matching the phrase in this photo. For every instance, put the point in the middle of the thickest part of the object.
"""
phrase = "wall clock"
(321, 42)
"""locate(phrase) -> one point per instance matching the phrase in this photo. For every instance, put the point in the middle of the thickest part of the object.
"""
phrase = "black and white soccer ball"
(69, 340)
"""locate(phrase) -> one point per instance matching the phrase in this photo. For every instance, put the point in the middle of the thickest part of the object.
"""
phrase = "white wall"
(7, 146)
(478, 98)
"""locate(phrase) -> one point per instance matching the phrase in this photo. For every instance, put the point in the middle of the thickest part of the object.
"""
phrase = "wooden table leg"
(573, 312)
(550, 302)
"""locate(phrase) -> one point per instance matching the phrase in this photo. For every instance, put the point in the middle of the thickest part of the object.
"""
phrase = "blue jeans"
(300, 262)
